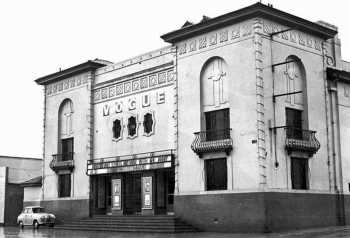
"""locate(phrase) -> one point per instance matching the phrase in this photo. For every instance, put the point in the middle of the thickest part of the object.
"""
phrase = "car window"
(38, 210)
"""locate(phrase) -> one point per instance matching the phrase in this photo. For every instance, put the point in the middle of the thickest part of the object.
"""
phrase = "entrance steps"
(159, 224)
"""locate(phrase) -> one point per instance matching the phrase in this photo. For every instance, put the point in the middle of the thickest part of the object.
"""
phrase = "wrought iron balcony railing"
(301, 140)
(62, 162)
(212, 141)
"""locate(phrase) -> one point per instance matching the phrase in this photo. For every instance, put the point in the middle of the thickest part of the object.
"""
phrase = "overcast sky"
(40, 36)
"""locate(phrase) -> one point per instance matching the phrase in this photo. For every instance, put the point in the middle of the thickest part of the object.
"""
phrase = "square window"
(216, 174)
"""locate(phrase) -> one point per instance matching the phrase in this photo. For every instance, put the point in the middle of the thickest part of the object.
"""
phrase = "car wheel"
(21, 224)
(36, 225)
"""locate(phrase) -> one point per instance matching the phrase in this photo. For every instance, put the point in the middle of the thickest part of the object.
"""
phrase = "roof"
(255, 10)
(34, 182)
(77, 69)
(17, 157)
(33, 207)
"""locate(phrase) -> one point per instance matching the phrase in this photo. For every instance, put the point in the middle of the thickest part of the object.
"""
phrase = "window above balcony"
(65, 159)
(217, 136)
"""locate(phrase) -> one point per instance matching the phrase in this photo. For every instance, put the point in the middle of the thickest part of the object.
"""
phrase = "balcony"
(212, 141)
(62, 162)
(301, 140)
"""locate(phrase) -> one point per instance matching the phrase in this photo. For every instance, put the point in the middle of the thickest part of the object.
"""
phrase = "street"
(28, 232)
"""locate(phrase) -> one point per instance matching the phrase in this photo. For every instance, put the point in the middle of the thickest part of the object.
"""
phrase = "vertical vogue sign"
(132, 103)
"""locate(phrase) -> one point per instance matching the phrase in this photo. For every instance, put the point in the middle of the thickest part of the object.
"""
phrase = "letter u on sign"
(145, 100)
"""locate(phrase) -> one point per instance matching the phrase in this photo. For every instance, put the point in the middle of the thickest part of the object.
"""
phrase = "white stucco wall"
(32, 194)
(307, 49)
(344, 130)
(153, 64)
(238, 54)
(80, 96)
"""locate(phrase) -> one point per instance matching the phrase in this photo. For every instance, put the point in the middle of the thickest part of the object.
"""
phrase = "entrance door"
(132, 193)
(165, 184)
(170, 179)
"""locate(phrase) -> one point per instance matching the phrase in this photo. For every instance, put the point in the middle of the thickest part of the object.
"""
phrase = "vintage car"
(35, 216)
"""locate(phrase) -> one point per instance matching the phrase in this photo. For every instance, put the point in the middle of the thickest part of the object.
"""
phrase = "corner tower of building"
(257, 87)
(68, 127)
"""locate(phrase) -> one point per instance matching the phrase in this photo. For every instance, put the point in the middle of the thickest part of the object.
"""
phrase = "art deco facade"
(240, 124)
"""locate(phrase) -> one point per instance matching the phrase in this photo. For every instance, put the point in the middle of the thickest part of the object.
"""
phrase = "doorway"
(165, 184)
(101, 194)
(132, 194)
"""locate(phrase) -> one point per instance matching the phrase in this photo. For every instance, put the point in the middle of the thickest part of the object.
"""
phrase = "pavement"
(28, 232)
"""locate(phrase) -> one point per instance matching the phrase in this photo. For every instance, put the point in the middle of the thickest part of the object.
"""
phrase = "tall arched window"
(65, 145)
(215, 99)
(65, 119)
(297, 119)
(296, 100)
(214, 84)
(295, 81)
(215, 118)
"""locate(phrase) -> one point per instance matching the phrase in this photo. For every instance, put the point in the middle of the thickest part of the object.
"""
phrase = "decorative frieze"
(66, 84)
(293, 36)
(215, 38)
(134, 85)
(202, 42)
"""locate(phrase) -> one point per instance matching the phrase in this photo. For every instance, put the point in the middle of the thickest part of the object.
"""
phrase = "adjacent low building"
(13, 172)
(240, 124)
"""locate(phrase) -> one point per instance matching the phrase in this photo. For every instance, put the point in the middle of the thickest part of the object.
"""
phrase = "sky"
(38, 37)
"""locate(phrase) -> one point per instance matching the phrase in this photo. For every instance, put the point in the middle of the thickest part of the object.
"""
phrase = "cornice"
(77, 69)
(255, 10)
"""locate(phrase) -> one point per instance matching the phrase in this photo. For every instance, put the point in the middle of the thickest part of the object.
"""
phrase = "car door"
(24, 216)
(29, 216)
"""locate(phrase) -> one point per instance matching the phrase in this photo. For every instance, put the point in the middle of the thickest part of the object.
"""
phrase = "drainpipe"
(340, 171)
(331, 103)
(43, 159)
(338, 185)
(327, 103)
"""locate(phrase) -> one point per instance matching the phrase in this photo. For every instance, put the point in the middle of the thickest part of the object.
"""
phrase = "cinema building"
(240, 124)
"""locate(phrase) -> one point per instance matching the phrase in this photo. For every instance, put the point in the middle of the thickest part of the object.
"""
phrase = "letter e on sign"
(145, 100)
(132, 104)
(160, 98)
(106, 110)
(118, 107)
